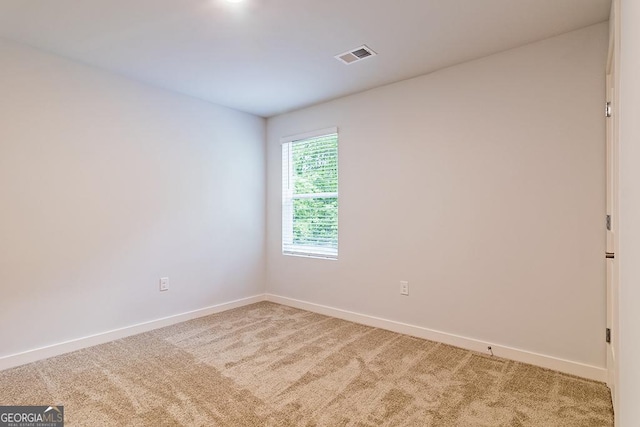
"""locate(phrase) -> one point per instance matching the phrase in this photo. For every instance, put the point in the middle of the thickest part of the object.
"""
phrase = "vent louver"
(355, 55)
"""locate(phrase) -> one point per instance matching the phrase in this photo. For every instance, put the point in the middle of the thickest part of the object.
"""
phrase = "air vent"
(355, 55)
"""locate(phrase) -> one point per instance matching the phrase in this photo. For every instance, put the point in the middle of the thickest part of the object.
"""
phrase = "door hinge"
(608, 336)
(607, 109)
(608, 222)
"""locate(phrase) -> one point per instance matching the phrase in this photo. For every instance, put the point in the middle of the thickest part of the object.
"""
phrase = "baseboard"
(34, 355)
(549, 362)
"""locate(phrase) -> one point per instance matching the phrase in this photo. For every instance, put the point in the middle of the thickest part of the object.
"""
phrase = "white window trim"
(307, 135)
(303, 251)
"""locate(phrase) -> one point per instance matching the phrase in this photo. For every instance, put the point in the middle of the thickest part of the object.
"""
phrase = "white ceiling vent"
(355, 55)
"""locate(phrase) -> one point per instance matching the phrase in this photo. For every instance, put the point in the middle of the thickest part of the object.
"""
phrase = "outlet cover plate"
(404, 288)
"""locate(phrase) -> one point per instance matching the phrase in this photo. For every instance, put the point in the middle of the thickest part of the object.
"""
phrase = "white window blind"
(310, 194)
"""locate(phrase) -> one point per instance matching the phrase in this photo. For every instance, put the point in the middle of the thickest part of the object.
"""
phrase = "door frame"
(612, 189)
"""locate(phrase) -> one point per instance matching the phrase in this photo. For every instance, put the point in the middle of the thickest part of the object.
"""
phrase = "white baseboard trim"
(34, 355)
(549, 362)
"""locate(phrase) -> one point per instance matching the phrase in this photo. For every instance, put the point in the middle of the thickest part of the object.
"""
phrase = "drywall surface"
(482, 185)
(107, 185)
(628, 389)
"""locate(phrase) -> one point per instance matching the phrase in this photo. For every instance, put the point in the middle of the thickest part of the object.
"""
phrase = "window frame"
(288, 198)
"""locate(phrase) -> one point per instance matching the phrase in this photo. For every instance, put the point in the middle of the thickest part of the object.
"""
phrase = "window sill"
(308, 255)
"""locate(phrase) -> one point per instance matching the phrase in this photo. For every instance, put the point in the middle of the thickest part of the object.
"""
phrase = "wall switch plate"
(404, 288)
(164, 284)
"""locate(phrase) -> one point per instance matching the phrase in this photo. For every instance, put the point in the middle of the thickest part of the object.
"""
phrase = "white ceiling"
(271, 56)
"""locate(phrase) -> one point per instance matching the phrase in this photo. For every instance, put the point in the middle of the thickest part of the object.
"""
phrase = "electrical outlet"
(164, 284)
(404, 288)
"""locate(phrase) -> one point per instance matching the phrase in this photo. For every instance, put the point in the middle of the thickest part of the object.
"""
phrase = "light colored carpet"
(271, 365)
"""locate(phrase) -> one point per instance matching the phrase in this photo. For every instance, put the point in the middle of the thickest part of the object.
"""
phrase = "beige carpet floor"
(271, 365)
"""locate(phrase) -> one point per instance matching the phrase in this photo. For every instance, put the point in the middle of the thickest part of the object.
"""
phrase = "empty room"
(319, 213)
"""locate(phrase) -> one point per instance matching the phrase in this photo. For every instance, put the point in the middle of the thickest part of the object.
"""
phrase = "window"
(310, 194)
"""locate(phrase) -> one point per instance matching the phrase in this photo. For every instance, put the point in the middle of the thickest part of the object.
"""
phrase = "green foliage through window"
(310, 195)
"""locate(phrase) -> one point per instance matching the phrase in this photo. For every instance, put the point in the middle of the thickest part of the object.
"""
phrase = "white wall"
(628, 390)
(483, 186)
(106, 185)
